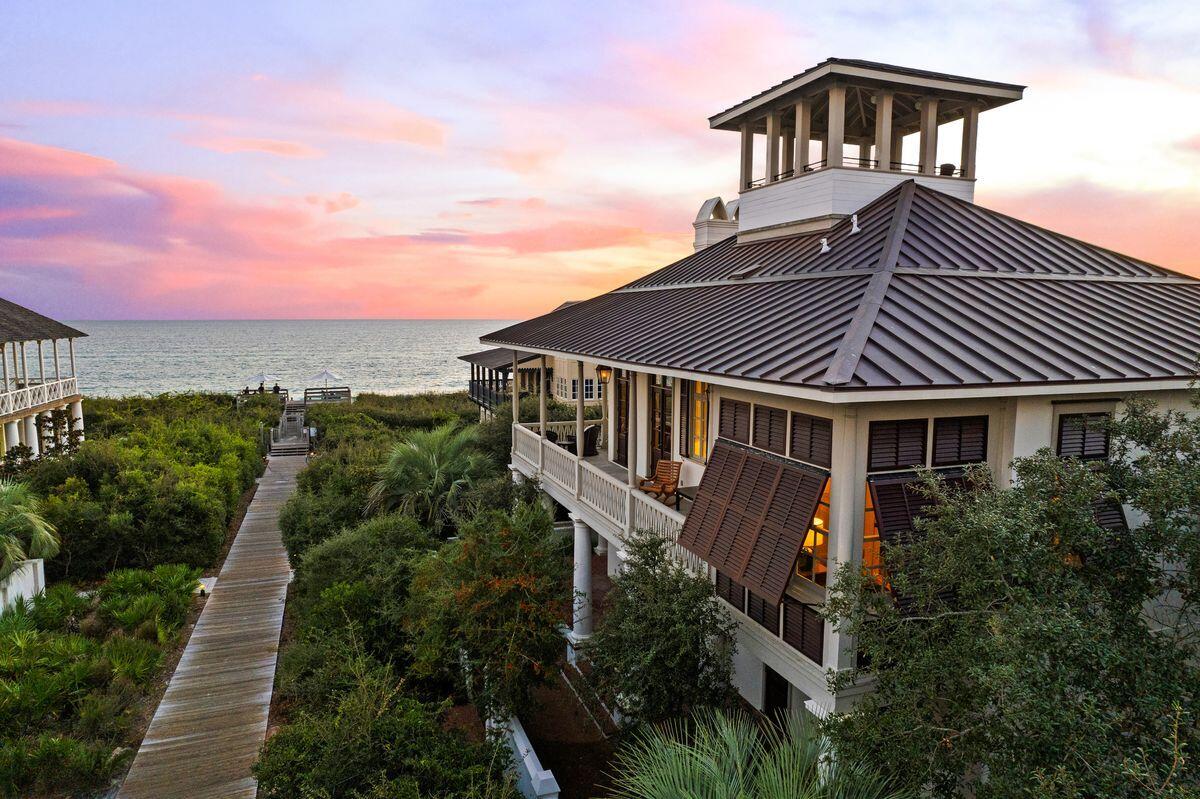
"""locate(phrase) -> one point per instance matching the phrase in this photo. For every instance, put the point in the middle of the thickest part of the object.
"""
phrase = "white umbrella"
(261, 377)
(325, 376)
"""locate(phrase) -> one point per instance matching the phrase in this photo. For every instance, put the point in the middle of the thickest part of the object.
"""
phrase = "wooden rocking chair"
(664, 483)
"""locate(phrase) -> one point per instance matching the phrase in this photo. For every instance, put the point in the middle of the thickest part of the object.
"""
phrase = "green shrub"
(56, 763)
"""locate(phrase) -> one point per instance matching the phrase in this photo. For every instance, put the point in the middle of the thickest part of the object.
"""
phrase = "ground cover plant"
(73, 666)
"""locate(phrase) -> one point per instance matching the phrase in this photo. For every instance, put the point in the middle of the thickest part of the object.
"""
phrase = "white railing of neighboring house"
(612, 498)
(37, 394)
(25, 583)
(533, 781)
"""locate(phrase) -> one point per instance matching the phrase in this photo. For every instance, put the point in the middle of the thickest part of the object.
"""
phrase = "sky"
(248, 160)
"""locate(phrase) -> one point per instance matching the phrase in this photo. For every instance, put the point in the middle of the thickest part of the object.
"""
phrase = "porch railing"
(37, 394)
(558, 465)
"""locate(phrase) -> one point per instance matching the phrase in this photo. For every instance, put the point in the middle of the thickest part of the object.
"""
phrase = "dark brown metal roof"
(499, 358)
(931, 291)
(751, 515)
(18, 323)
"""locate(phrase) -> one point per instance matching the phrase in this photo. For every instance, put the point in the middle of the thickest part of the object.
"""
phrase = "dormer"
(834, 141)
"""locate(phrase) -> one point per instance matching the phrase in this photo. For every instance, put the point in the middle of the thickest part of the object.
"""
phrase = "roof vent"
(744, 272)
(854, 228)
(824, 246)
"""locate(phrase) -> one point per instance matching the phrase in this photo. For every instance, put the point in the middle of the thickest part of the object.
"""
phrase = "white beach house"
(846, 319)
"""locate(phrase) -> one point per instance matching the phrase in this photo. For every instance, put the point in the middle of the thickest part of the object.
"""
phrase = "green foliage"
(399, 412)
(426, 472)
(24, 532)
(376, 742)
(72, 667)
(484, 610)
(1021, 649)
(721, 756)
(665, 646)
(495, 434)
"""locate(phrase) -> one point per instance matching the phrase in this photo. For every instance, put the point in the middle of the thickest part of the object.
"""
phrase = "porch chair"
(665, 482)
(591, 436)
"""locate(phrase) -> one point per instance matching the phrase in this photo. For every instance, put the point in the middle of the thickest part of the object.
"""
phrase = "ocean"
(387, 356)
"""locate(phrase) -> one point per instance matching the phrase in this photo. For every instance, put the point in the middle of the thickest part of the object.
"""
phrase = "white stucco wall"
(26, 582)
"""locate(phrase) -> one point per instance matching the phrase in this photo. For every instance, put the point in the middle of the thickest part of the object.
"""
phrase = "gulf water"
(377, 355)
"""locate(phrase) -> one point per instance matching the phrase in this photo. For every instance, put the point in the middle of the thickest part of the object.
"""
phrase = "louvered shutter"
(898, 503)
(960, 439)
(763, 612)
(1083, 436)
(1110, 515)
(896, 444)
(729, 590)
(770, 428)
(812, 439)
(804, 629)
(734, 421)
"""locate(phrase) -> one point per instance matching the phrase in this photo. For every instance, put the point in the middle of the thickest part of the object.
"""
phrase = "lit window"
(693, 443)
(872, 554)
(813, 563)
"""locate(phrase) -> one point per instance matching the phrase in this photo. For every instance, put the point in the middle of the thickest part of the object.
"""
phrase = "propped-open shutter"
(770, 429)
(812, 439)
(959, 440)
(896, 444)
(898, 503)
(804, 629)
(734, 420)
(1110, 515)
(1083, 436)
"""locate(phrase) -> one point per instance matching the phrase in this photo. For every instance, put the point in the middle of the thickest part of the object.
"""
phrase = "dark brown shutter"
(770, 428)
(751, 514)
(763, 612)
(959, 439)
(812, 439)
(729, 590)
(1083, 436)
(896, 444)
(734, 422)
(1110, 515)
(898, 503)
(804, 629)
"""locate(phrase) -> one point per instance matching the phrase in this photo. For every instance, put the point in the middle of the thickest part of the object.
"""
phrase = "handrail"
(31, 396)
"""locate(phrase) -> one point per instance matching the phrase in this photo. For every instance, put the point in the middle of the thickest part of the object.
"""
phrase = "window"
(734, 422)
(1083, 436)
(959, 439)
(872, 554)
(813, 563)
(592, 389)
(896, 444)
(812, 439)
(693, 410)
(564, 388)
(661, 403)
(770, 428)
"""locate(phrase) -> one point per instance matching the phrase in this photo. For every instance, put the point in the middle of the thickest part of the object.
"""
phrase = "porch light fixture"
(603, 373)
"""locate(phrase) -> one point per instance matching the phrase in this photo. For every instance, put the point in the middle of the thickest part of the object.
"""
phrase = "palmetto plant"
(723, 756)
(425, 472)
(24, 533)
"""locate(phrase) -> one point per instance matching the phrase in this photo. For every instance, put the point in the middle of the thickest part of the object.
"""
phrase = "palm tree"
(723, 756)
(425, 472)
(24, 533)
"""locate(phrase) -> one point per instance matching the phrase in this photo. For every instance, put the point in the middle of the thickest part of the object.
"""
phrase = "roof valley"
(844, 362)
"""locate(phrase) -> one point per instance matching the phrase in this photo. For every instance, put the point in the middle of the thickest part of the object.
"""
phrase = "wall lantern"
(603, 373)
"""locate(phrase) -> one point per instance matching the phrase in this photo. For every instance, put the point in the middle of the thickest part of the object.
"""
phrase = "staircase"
(290, 436)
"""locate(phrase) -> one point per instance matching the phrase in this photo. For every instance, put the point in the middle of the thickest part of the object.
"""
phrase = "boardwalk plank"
(206, 732)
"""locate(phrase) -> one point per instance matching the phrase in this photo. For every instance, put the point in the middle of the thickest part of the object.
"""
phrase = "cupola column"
(929, 131)
(970, 138)
(803, 134)
(883, 130)
(747, 174)
(836, 134)
(774, 123)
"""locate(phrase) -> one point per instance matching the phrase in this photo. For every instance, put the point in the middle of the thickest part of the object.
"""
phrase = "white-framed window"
(593, 389)
(563, 388)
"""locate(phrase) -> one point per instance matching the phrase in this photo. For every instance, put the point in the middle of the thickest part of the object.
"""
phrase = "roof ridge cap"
(844, 362)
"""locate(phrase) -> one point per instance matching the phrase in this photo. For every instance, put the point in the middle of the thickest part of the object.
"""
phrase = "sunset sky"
(490, 160)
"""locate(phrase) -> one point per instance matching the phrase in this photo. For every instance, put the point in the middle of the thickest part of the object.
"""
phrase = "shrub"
(665, 646)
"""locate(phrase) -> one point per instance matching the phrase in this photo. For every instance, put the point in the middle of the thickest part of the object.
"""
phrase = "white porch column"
(847, 489)
(57, 371)
(803, 134)
(542, 396)
(631, 453)
(12, 434)
(774, 124)
(24, 366)
(929, 132)
(836, 137)
(4, 361)
(789, 150)
(582, 617)
(516, 390)
(41, 363)
(601, 545)
(883, 129)
(747, 160)
(31, 435)
(970, 137)
(77, 417)
(71, 349)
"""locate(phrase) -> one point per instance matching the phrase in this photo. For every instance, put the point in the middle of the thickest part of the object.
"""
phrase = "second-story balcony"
(35, 395)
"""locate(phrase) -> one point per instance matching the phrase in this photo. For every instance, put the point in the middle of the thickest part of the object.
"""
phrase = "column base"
(574, 640)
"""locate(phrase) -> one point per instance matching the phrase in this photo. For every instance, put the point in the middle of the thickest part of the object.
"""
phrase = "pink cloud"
(240, 144)
(26, 159)
(332, 205)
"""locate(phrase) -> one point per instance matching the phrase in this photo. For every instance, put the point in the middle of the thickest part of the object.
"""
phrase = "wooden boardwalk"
(207, 731)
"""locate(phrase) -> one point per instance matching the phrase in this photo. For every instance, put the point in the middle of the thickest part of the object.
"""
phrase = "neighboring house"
(38, 378)
(851, 319)
(491, 370)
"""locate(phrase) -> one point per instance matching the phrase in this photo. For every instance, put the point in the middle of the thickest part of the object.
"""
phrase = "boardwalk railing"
(625, 508)
(37, 394)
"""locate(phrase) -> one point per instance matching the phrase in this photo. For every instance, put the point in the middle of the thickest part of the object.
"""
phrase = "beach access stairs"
(290, 436)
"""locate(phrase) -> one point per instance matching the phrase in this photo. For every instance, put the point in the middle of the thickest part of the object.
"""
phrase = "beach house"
(852, 315)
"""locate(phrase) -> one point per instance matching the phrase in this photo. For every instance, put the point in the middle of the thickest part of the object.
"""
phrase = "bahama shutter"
(729, 590)
(804, 629)
(751, 515)
(770, 428)
(1110, 515)
(896, 444)
(959, 440)
(898, 502)
(1083, 436)
(812, 439)
(734, 420)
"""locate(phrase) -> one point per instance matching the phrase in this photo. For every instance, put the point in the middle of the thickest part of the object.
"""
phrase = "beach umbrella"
(261, 377)
(325, 376)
